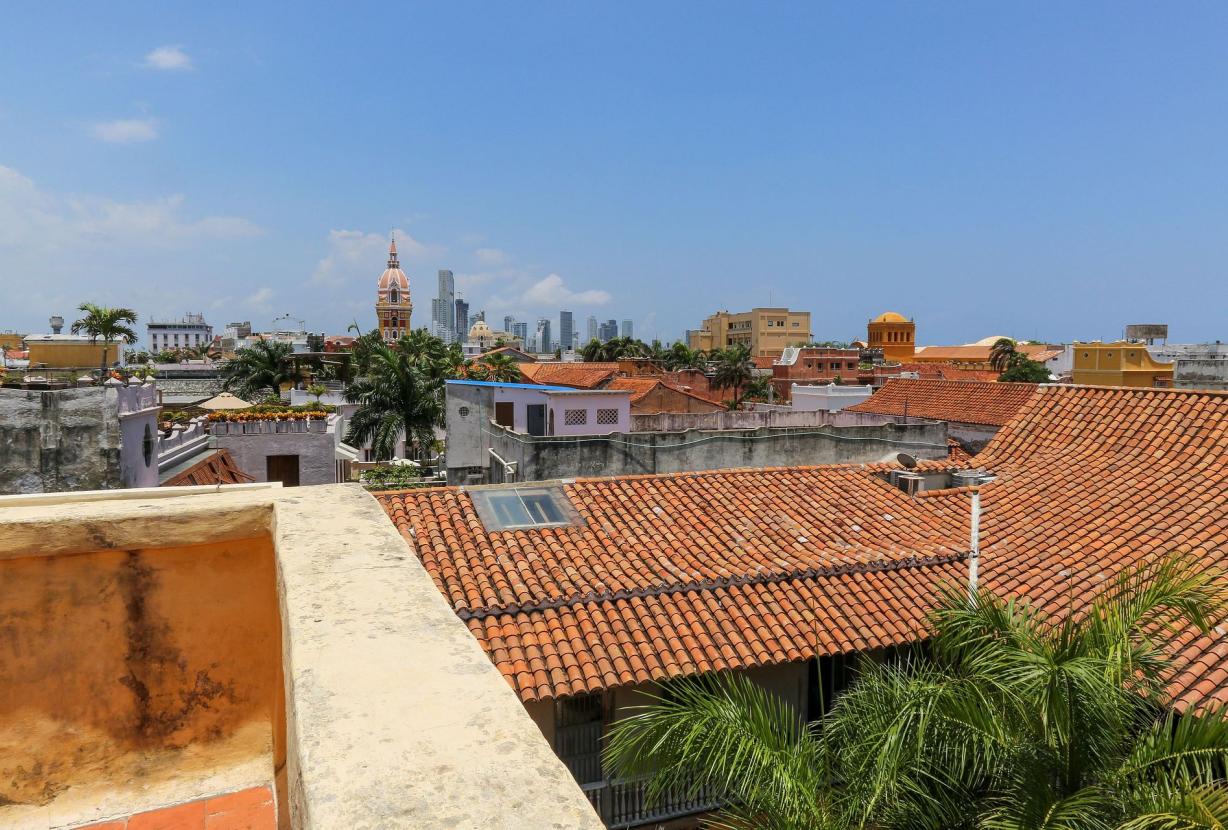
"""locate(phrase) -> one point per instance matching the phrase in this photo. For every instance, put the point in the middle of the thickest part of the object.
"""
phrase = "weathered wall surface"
(128, 666)
(973, 437)
(1201, 373)
(64, 439)
(541, 458)
(316, 453)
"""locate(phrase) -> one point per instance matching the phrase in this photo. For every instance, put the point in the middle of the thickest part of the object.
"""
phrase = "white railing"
(624, 802)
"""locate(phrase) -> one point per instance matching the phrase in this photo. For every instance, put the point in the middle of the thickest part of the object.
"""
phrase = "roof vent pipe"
(974, 548)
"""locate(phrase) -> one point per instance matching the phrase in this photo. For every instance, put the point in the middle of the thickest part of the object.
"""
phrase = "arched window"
(395, 297)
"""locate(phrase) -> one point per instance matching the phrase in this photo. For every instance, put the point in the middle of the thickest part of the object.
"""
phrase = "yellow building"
(11, 340)
(68, 351)
(767, 332)
(1118, 364)
(895, 334)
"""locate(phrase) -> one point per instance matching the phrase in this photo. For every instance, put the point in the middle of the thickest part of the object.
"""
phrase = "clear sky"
(1037, 169)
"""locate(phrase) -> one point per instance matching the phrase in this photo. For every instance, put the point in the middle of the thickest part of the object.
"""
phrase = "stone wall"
(63, 439)
(542, 458)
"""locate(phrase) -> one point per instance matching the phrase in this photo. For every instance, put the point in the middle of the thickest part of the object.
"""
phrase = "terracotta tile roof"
(578, 375)
(217, 467)
(639, 387)
(656, 548)
(938, 371)
(962, 401)
(980, 354)
(690, 572)
(957, 454)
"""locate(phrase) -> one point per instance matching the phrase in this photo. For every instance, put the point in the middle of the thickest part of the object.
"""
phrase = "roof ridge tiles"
(912, 562)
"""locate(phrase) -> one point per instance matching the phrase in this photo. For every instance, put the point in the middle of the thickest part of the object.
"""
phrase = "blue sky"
(1041, 170)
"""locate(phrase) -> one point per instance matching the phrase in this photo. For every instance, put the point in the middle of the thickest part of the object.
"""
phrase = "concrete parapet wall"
(541, 458)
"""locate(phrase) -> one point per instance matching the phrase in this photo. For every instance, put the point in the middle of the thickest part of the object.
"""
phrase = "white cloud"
(125, 130)
(168, 58)
(259, 299)
(490, 256)
(357, 255)
(552, 293)
(32, 219)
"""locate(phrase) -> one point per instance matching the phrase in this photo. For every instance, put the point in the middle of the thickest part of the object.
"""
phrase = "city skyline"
(837, 160)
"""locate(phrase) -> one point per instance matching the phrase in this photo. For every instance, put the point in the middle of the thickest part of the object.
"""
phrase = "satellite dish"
(907, 460)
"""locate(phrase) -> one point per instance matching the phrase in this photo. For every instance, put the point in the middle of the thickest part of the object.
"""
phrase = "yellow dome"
(890, 317)
(479, 329)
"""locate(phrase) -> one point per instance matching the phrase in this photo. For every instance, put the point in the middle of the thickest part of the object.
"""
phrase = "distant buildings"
(443, 308)
(190, 332)
(541, 340)
(766, 332)
(567, 334)
(592, 330)
(607, 331)
(626, 330)
(1118, 364)
(393, 307)
(461, 319)
(895, 334)
(520, 331)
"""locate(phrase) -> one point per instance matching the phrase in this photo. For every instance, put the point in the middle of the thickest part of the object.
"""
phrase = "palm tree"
(318, 390)
(110, 325)
(734, 369)
(1011, 720)
(1003, 354)
(262, 367)
(681, 356)
(398, 398)
(502, 368)
(758, 388)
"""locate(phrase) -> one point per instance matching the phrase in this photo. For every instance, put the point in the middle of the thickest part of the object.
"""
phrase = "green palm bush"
(1008, 719)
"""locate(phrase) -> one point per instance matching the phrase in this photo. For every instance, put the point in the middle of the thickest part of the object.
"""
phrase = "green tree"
(680, 356)
(1012, 719)
(733, 370)
(399, 397)
(1026, 370)
(758, 388)
(317, 390)
(501, 367)
(1002, 354)
(259, 370)
(110, 325)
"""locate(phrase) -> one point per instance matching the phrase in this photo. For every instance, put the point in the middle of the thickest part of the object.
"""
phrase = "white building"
(190, 332)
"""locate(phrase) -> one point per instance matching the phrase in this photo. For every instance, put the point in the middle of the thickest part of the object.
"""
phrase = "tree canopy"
(1010, 719)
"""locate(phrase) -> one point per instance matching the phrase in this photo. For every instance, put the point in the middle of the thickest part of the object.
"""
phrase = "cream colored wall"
(71, 355)
(130, 667)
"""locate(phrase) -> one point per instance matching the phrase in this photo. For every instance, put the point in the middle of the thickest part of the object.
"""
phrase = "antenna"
(907, 460)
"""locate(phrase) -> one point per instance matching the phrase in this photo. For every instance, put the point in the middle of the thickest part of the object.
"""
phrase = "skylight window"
(517, 508)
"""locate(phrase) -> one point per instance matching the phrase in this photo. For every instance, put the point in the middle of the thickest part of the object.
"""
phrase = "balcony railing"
(624, 802)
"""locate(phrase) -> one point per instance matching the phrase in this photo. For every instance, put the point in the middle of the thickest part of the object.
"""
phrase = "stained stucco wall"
(316, 452)
(123, 669)
(542, 458)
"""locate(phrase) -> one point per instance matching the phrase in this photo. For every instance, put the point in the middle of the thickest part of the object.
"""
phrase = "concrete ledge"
(395, 716)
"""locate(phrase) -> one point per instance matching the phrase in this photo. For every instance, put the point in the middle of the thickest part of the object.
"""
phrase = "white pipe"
(974, 547)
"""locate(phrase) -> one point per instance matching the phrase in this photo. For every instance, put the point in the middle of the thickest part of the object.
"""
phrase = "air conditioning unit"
(910, 482)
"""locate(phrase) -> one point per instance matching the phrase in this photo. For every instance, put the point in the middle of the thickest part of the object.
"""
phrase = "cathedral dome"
(393, 276)
(890, 317)
(479, 330)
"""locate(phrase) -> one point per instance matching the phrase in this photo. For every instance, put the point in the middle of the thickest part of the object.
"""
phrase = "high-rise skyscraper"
(521, 331)
(443, 308)
(566, 333)
(462, 319)
(607, 331)
(626, 329)
(592, 330)
(508, 322)
(544, 344)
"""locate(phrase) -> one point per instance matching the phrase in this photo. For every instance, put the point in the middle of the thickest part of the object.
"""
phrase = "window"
(575, 417)
(147, 446)
(606, 417)
(512, 508)
(577, 735)
(394, 297)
